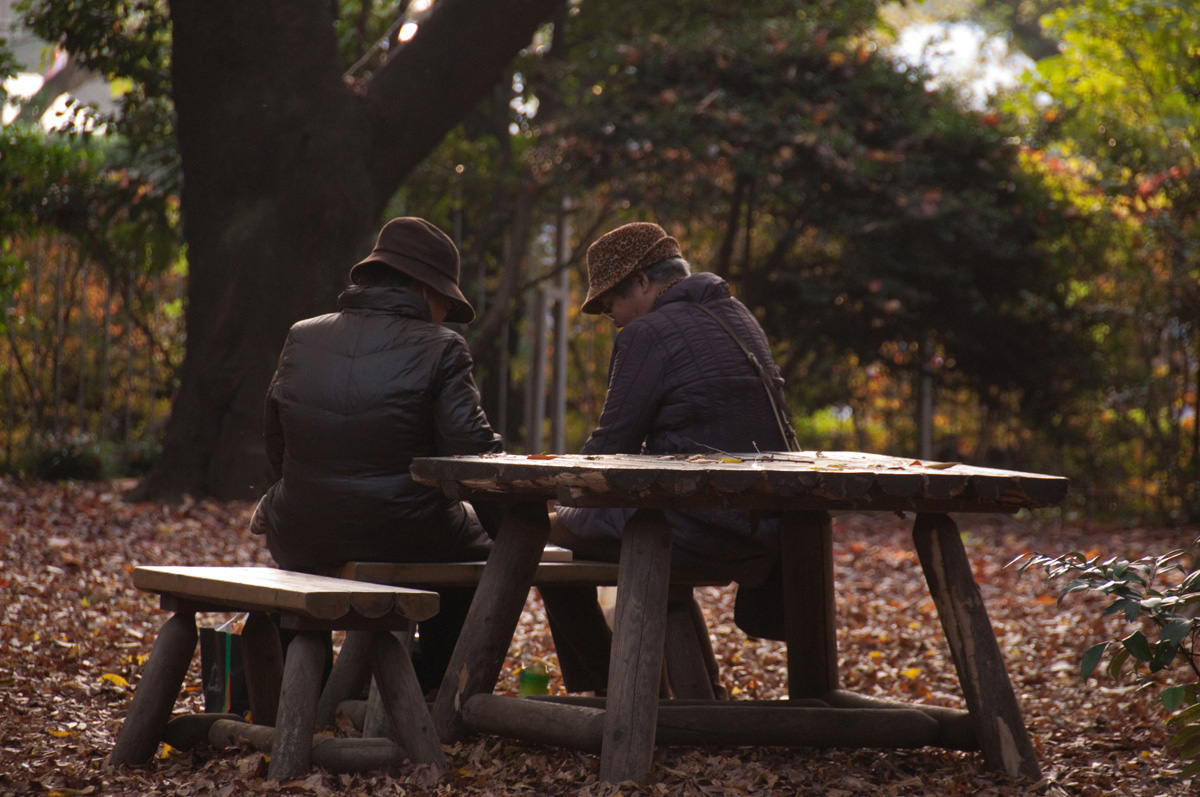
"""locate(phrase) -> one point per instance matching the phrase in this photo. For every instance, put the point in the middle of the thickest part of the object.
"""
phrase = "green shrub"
(1138, 590)
(63, 459)
(82, 458)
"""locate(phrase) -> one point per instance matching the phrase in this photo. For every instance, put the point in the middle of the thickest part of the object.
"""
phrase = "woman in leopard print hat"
(679, 382)
(622, 252)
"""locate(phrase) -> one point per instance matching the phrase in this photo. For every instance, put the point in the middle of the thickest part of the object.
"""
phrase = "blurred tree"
(861, 214)
(1118, 113)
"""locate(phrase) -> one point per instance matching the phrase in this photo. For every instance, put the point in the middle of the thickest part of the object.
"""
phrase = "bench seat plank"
(268, 589)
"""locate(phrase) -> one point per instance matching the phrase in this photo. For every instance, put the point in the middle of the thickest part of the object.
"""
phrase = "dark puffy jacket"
(357, 395)
(680, 384)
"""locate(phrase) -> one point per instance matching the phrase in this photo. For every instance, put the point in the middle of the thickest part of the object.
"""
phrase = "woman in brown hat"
(681, 381)
(356, 396)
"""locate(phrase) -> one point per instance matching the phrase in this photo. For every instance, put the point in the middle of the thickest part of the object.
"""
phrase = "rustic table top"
(776, 480)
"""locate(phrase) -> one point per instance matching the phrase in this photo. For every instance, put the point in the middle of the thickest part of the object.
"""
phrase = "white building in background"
(963, 55)
(41, 61)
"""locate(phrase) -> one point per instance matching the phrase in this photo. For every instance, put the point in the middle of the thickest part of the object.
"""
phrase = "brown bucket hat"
(621, 252)
(417, 248)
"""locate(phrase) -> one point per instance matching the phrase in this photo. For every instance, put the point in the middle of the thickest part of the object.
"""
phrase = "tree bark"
(286, 173)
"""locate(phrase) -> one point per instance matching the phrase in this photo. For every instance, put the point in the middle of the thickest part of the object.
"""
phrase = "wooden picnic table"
(804, 487)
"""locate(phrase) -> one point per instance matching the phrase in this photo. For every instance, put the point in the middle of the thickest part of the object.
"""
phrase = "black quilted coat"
(679, 384)
(356, 396)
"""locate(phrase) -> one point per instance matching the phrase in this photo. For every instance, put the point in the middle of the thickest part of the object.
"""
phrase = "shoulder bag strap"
(785, 427)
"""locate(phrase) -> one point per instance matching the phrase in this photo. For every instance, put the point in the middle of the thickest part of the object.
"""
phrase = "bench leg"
(1003, 738)
(687, 667)
(264, 667)
(404, 703)
(349, 676)
(635, 667)
(291, 755)
(375, 721)
(157, 691)
(706, 651)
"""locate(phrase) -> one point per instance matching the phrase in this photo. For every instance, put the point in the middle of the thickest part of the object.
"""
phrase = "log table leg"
(1003, 738)
(291, 756)
(264, 667)
(157, 691)
(635, 666)
(806, 540)
(495, 611)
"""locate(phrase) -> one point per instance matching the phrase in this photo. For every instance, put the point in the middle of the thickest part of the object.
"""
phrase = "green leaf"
(1091, 659)
(1132, 609)
(1164, 655)
(1172, 698)
(1137, 644)
(1188, 715)
(1114, 607)
(1190, 748)
(1117, 661)
(1175, 631)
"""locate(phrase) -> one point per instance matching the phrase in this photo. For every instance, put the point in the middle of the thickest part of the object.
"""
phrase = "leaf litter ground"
(76, 635)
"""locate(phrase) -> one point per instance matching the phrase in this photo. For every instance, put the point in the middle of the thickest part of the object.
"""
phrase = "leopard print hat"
(624, 251)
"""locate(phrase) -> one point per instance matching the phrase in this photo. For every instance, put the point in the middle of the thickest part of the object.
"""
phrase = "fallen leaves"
(75, 636)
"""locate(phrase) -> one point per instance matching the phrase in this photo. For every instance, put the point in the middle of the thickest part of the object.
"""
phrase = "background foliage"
(1032, 263)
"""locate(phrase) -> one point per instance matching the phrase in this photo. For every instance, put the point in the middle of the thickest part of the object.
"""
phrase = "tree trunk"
(286, 173)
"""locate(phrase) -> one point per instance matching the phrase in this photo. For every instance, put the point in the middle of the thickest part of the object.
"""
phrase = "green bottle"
(532, 679)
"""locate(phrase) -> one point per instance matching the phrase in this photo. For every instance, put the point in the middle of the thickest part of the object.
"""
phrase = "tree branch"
(427, 87)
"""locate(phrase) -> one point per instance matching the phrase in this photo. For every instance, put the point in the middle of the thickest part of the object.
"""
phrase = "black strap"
(785, 427)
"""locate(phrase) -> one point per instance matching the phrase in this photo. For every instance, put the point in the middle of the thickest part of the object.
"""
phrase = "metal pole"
(104, 360)
(60, 331)
(537, 375)
(925, 399)
(562, 254)
(10, 415)
(501, 421)
(83, 350)
(35, 331)
(130, 352)
(925, 418)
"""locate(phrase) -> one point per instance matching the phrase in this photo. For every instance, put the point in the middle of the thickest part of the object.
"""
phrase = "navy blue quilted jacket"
(679, 384)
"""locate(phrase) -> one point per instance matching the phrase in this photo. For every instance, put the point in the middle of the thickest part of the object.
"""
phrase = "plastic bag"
(222, 672)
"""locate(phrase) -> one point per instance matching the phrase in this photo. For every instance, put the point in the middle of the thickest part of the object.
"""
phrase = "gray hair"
(662, 272)
(673, 268)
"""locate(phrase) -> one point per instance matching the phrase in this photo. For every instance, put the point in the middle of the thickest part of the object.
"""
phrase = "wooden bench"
(691, 667)
(282, 694)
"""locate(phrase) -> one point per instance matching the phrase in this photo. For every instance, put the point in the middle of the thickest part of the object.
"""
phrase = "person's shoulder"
(316, 324)
(444, 334)
(317, 320)
(704, 286)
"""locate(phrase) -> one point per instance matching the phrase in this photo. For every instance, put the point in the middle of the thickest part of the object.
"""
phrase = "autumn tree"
(862, 214)
(1116, 116)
